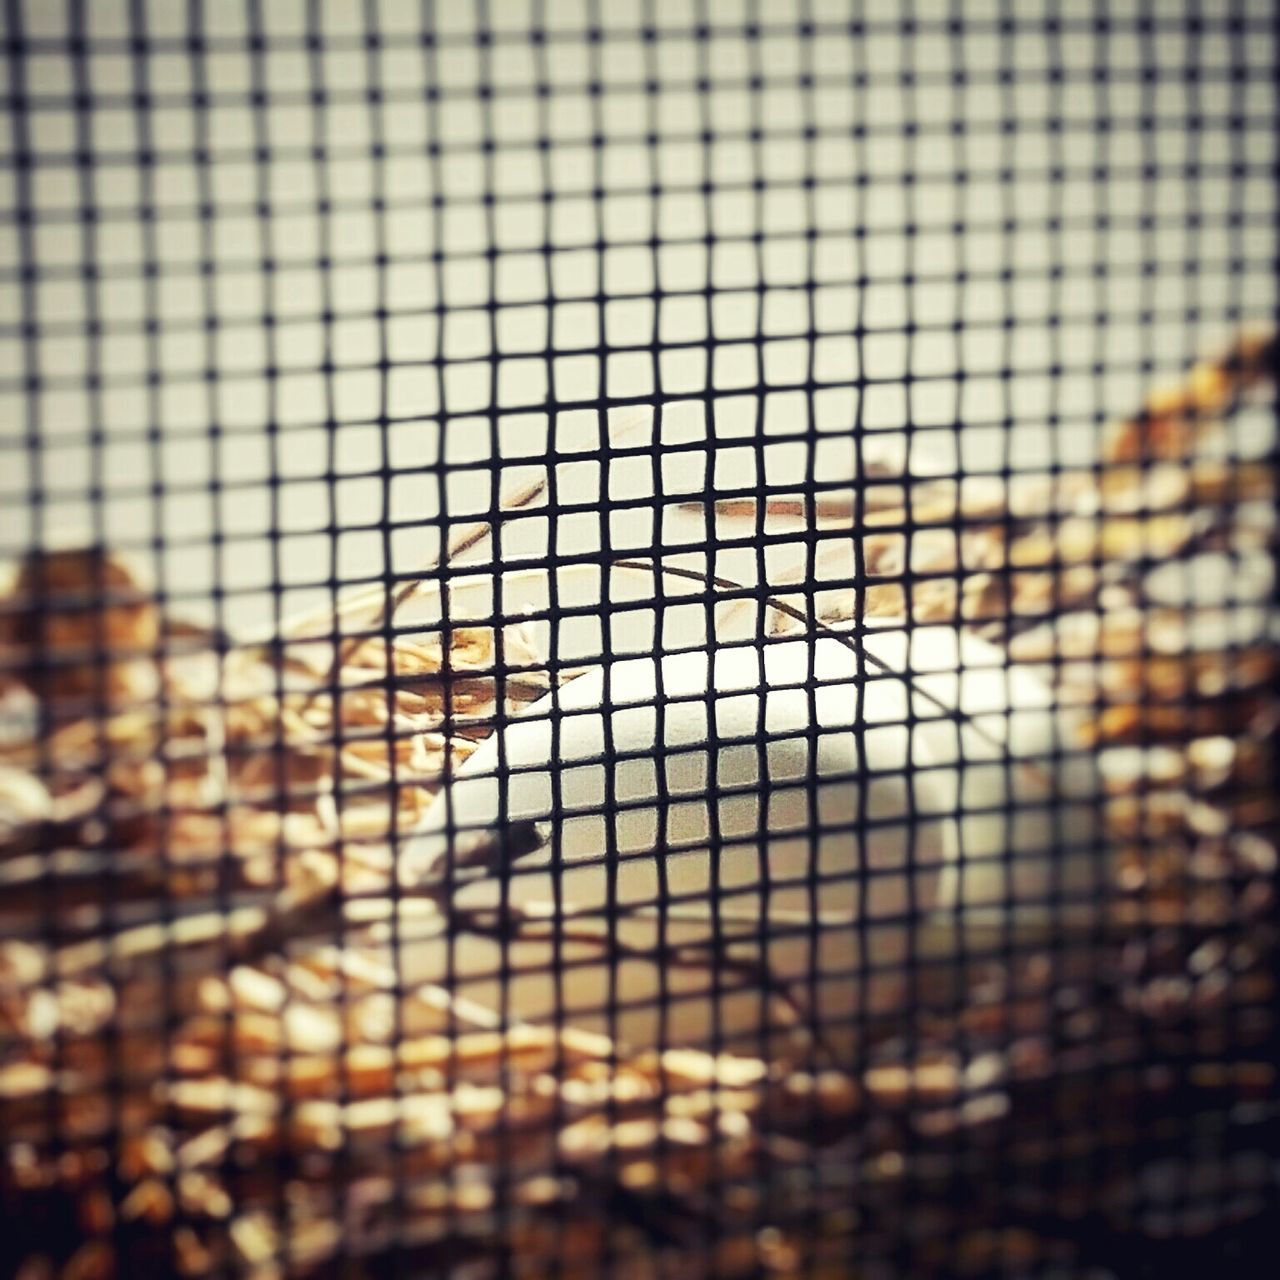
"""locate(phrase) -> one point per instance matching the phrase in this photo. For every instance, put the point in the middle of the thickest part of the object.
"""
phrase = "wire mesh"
(639, 639)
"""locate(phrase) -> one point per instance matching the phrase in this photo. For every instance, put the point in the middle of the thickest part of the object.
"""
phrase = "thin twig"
(850, 642)
(467, 538)
(513, 921)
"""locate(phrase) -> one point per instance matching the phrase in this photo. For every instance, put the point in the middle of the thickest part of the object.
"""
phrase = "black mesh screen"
(637, 639)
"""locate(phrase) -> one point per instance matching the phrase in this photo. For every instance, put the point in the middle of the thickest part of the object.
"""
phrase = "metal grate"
(637, 639)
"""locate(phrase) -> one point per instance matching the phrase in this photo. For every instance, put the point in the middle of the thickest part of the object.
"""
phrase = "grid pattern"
(668, 337)
(345, 225)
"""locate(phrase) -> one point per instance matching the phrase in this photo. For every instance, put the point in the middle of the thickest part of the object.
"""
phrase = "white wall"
(148, 447)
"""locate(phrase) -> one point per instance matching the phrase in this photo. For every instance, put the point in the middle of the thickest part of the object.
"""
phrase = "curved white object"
(686, 755)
